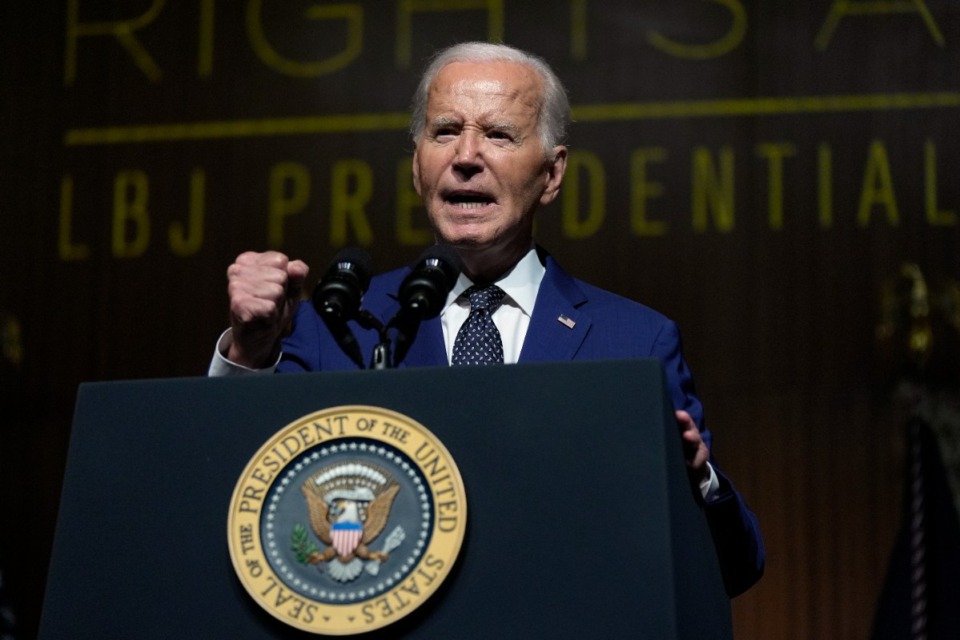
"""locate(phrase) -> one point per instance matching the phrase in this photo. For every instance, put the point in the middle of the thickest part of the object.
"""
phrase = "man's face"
(479, 166)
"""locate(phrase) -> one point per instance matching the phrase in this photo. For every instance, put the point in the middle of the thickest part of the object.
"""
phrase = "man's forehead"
(499, 83)
(502, 72)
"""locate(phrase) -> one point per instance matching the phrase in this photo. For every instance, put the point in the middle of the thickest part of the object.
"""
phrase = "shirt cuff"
(710, 486)
(220, 366)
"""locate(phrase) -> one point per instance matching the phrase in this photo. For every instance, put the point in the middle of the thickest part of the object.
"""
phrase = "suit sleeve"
(301, 347)
(733, 526)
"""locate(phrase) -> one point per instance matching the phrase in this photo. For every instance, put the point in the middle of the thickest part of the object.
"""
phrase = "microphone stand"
(385, 356)
(382, 358)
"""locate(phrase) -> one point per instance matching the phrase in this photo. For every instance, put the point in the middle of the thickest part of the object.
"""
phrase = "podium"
(581, 519)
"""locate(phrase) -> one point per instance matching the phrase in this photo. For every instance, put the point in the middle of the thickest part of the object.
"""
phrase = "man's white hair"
(554, 112)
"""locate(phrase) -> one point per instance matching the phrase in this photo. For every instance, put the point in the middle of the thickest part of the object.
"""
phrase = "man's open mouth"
(469, 200)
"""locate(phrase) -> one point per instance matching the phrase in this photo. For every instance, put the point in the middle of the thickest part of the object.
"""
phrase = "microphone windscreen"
(362, 264)
(446, 258)
(340, 290)
(425, 289)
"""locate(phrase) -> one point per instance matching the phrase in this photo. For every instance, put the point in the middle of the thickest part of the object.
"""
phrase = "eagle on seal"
(348, 505)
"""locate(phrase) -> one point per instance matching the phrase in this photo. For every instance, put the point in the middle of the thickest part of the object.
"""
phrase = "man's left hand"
(695, 451)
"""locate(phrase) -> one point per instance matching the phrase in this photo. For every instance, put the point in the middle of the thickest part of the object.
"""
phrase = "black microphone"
(337, 297)
(424, 291)
(338, 294)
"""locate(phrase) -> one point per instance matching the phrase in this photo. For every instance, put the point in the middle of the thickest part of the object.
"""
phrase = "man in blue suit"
(488, 125)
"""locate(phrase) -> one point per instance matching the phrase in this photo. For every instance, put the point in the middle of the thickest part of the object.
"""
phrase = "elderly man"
(488, 125)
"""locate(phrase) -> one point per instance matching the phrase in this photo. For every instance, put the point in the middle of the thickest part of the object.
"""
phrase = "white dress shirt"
(512, 317)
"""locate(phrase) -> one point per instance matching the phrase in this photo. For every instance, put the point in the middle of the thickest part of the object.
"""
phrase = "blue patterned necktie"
(478, 341)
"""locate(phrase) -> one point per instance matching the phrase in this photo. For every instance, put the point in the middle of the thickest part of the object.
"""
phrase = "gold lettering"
(573, 225)
(205, 46)
(347, 205)
(578, 29)
(67, 249)
(289, 194)
(186, 240)
(877, 187)
(408, 202)
(723, 45)
(774, 154)
(406, 9)
(351, 14)
(122, 30)
(131, 191)
(713, 192)
(825, 185)
(935, 216)
(642, 189)
(842, 8)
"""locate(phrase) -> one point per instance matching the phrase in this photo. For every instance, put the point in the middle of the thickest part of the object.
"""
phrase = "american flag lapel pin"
(565, 321)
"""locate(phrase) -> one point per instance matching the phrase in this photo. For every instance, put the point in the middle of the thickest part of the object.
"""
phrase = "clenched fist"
(264, 290)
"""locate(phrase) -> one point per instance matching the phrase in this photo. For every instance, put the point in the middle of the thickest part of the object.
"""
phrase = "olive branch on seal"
(301, 545)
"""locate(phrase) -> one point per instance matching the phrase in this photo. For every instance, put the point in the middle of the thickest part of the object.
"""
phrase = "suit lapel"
(427, 349)
(558, 326)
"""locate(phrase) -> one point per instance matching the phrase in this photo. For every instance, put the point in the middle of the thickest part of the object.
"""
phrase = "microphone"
(337, 297)
(424, 291)
(338, 294)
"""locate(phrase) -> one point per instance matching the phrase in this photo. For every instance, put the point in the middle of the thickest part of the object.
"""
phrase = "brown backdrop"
(756, 170)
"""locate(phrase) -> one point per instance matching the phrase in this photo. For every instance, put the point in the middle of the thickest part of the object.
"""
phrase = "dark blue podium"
(582, 522)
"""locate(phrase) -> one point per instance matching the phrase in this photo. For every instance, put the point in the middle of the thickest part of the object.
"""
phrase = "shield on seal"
(345, 537)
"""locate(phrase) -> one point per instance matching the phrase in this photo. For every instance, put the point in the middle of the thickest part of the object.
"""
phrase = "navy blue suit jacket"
(606, 326)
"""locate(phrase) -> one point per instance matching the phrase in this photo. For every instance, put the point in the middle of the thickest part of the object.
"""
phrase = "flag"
(920, 599)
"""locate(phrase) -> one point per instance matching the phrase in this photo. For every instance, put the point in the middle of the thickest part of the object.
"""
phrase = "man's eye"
(499, 135)
(445, 132)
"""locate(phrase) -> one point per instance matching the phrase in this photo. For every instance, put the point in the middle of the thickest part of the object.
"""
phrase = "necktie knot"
(488, 297)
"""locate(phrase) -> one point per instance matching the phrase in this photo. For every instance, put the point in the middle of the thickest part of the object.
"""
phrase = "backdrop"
(756, 170)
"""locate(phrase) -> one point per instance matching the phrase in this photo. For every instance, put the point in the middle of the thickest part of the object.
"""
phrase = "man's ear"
(416, 170)
(556, 169)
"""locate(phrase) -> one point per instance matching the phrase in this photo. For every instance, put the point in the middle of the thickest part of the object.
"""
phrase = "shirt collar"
(521, 283)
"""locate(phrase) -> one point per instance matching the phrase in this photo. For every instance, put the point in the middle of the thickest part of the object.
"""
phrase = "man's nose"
(469, 153)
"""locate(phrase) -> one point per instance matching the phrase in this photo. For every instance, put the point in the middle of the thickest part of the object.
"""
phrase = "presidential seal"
(347, 520)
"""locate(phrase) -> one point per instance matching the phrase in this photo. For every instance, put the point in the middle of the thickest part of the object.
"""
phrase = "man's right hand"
(264, 290)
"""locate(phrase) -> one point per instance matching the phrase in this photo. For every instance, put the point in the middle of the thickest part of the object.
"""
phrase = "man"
(488, 122)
